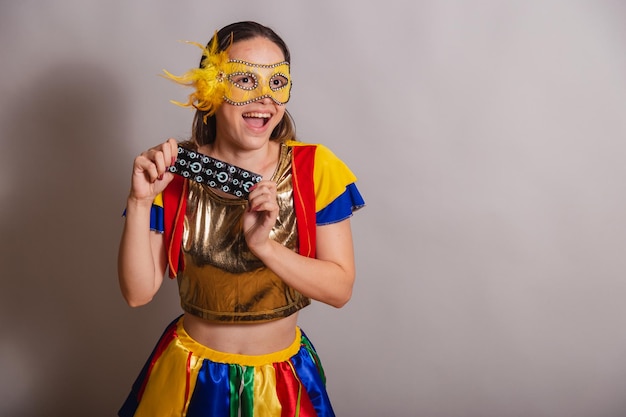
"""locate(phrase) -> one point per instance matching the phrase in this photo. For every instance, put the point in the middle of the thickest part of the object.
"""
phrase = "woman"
(245, 267)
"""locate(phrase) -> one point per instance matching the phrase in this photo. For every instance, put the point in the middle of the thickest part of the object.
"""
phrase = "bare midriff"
(243, 339)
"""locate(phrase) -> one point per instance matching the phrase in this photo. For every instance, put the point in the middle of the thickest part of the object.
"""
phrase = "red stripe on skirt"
(168, 337)
(188, 378)
(293, 397)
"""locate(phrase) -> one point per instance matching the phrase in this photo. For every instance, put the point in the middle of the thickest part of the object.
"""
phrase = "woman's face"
(250, 125)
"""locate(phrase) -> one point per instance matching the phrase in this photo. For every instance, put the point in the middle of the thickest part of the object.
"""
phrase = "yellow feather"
(208, 81)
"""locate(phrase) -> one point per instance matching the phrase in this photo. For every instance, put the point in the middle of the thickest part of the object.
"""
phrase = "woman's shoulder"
(321, 151)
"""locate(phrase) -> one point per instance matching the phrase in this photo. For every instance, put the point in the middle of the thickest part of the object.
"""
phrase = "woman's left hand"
(261, 215)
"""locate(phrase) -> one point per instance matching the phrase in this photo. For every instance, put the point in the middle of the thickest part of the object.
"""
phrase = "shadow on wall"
(62, 348)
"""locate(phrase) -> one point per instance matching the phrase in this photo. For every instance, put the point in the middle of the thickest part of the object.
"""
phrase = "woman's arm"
(141, 257)
(328, 278)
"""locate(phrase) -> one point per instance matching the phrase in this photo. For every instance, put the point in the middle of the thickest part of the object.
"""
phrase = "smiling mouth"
(256, 119)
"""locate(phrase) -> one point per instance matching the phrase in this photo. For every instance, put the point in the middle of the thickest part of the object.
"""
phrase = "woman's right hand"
(150, 171)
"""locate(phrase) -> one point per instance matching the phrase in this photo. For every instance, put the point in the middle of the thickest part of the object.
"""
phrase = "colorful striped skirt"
(185, 378)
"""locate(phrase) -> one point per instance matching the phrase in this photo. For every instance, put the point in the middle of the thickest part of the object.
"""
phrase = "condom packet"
(216, 174)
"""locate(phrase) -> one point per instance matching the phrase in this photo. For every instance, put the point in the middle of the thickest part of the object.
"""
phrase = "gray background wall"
(488, 137)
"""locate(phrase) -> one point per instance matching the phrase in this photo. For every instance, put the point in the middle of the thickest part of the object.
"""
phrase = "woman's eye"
(244, 80)
(278, 81)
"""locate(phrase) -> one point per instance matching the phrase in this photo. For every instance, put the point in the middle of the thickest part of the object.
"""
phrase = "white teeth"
(257, 115)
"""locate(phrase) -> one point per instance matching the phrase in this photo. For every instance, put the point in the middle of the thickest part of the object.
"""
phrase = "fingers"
(263, 197)
(150, 170)
(261, 215)
(155, 162)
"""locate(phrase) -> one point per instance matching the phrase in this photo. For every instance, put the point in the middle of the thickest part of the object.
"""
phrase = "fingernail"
(160, 177)
(173, 160)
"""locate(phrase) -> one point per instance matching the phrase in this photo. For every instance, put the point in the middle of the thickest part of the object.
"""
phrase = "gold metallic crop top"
(222, 280)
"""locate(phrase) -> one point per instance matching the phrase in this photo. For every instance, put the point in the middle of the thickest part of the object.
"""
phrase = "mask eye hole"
(244, 80)
(278, 81)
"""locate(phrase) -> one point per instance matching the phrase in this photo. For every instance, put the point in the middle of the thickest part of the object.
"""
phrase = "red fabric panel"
(291, 394)
(174, 204)
(304, 197)
(166, 339)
